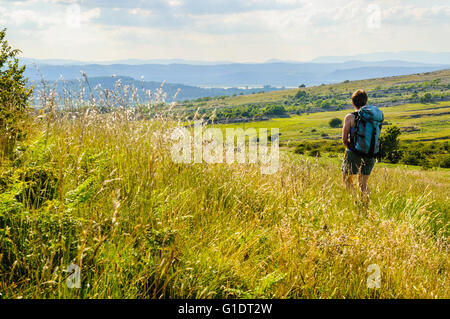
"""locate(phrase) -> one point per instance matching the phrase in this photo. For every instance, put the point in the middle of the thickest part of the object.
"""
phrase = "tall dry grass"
(100, 190)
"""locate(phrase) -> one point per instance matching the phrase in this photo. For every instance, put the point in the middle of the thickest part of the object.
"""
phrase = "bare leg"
(363, 181)
(348, 182)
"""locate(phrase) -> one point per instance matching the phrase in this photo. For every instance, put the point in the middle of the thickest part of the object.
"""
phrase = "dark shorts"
(353, 163)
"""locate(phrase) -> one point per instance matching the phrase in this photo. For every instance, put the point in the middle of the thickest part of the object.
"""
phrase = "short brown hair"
(359, 98)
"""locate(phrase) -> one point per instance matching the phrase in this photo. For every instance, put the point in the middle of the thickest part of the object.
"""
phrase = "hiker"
(361, 133)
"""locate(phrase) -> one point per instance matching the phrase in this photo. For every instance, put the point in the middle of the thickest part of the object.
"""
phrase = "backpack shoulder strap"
(355, 115)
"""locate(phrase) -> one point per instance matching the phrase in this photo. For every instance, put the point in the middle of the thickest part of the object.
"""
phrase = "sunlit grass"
(433, 123)
(141, 226)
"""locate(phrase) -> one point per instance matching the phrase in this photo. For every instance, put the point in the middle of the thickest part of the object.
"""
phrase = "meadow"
(101, 191)
(91, 182)
(418, 121)
(388, 91)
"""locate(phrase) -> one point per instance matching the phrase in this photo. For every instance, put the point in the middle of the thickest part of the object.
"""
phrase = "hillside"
(419, 105)
(99, 189)
(386, 91)
(102, 192)
(172, 91)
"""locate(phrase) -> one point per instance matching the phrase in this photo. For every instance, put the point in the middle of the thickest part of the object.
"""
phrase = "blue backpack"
(365, 135)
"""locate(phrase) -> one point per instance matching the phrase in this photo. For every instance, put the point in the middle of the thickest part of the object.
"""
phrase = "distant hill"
(374, 72)
(410, 56)
(239, 74)
(429, 87)
(186, 92)
(422, 57)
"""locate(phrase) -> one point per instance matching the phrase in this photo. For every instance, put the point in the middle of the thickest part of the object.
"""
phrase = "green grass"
(102, 192)
(390, 89)
(431, 125)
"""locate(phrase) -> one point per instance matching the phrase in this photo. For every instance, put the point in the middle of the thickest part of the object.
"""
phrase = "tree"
(301, 94)
(390, 145)
(14, 96)
(274, 110)
(325, 104)
(335, 122)
(426, 98)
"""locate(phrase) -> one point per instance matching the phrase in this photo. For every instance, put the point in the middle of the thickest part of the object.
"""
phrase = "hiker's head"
(359, 98)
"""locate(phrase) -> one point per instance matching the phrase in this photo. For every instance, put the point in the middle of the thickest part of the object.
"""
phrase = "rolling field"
(390, 87)
(418, 122)
(101, 191)
(109, 189)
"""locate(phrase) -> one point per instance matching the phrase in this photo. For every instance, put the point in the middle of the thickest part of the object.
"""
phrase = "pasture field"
(419, 122)
(382, 91)
(95, 202)
(102, 192)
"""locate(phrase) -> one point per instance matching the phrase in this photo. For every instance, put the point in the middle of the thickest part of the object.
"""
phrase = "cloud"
(223, 29)
(195, 7)
(424, 15)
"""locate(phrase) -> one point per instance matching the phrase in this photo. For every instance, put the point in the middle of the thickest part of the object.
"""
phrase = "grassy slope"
(428, 118)
(369, 85)
(141, 226)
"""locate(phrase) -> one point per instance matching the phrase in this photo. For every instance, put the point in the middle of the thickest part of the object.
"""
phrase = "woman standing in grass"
(361, 134)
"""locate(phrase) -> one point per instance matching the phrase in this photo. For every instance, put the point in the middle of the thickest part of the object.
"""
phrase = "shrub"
(300, 95)
(315, 153)
(28, 239)
(413, 158)
(325, 104)
(390, 145)
(13, 97)
(335, 123)
(427, 97)
(444, 161)
(274, 110)
(37, 185)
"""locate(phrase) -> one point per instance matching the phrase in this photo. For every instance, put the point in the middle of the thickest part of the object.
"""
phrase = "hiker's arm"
(348, 121)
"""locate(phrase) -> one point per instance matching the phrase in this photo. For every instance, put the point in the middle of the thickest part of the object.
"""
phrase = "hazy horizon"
(405, 56)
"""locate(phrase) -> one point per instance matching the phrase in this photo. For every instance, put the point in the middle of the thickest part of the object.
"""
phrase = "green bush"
(14, 97)
(413, 158)
(335, 123)
(427, 97)
(390, 145)
(299, 150)
(35, 185)
(315, 153)
(274, 110)
(444, 161)
(301, 94)
(31, 243)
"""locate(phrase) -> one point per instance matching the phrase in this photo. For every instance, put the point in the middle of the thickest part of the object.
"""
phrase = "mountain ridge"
(278, 74)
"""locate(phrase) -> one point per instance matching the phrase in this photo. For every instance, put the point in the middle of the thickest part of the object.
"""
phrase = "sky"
(223, 30)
